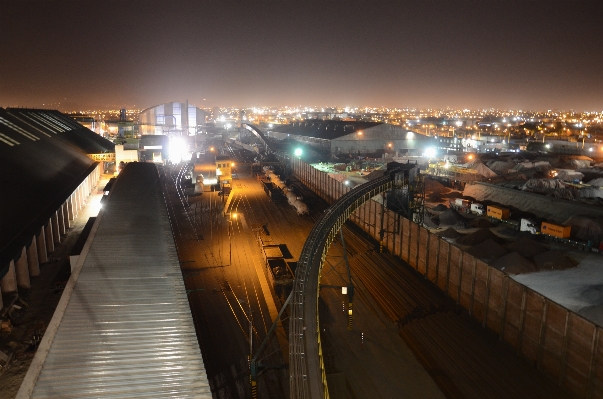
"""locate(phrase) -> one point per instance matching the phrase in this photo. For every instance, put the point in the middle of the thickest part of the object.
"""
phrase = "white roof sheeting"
(123, 327)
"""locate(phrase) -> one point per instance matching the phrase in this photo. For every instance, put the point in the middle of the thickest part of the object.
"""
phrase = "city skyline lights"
(519, 55)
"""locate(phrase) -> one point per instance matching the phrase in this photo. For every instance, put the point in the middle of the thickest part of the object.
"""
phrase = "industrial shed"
(48, 163)
(352, 137)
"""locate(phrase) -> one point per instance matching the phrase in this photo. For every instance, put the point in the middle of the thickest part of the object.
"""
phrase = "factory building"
(175, 118)
(352, 137)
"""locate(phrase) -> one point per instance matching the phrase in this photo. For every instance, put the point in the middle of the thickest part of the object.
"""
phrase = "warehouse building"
(352, 137)
(50, 164)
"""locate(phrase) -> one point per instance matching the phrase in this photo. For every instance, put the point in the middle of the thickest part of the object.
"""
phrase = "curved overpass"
(306, 367)
(256, 130)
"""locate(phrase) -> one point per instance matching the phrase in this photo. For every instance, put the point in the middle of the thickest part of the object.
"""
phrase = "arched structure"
(258, 133)
(176, 117)
(306, 367)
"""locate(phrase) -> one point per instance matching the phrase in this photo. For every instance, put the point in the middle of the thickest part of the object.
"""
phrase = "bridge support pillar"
(8, 283)
(22, 270)
(41, 244)
(32, 258)
(54, 223)
(48, 236)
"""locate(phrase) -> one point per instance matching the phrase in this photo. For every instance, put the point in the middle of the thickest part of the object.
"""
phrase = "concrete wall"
(557, 341)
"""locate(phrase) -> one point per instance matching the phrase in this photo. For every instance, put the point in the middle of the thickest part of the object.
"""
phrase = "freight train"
(292, 199)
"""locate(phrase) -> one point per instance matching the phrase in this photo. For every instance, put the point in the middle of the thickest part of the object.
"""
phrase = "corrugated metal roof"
(41, 151)
(127, 330)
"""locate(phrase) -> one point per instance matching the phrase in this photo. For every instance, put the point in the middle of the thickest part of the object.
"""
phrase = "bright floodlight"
(177, 149)
(298, 152)
(430, 152)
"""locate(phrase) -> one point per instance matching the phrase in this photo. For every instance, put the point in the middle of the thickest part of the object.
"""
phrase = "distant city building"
(119, 128)
(179, 118)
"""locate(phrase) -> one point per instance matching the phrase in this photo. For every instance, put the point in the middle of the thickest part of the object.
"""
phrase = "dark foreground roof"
(43, 159)
(65, 128)
(328, 130)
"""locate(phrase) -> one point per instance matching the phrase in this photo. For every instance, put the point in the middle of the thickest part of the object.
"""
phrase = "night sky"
(535, 55)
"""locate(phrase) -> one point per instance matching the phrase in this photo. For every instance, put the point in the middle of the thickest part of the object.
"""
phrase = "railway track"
(228, 305)
(465, 360)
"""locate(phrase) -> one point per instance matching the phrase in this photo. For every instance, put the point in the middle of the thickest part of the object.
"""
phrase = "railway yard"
(408, 338)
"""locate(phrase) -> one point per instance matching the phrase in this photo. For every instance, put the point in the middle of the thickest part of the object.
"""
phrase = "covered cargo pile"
(586, 229)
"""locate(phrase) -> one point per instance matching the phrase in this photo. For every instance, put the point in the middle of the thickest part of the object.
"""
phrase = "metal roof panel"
(127, 329)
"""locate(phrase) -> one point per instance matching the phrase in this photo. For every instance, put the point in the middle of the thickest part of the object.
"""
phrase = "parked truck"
(529, 225)
(477, 209)
(555, 230)
(466, 206)
(461, 205)
(497, 212)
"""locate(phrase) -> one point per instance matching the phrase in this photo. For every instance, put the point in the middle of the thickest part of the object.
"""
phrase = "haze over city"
(96, 55)
(301, 199)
